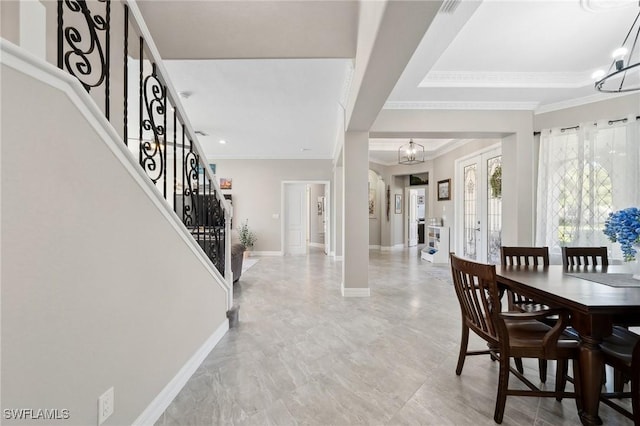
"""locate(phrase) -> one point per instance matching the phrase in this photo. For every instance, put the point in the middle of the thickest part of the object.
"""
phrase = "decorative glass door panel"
(494, 209)
(470, 213)
(479, 190)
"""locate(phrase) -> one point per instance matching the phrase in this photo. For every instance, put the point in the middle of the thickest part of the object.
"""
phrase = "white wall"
(256, 191)
(99, 289)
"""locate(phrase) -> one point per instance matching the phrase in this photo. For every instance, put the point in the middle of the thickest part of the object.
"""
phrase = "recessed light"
(222, 142)
(305, 149)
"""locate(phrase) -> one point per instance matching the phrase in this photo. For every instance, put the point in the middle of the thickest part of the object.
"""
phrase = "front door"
(479, 193)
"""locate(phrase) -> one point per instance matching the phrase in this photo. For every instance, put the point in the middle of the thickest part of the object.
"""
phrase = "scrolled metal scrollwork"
(152, 158)
(86, 56)
(190, 167)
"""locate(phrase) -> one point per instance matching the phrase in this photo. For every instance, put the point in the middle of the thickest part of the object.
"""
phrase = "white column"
(355, 267)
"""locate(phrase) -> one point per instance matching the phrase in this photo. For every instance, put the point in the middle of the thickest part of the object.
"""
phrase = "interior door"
(480, 195)
(295, 219)
(326, 217)
(413, 218)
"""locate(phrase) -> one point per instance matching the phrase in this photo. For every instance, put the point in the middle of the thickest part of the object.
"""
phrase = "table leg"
(591, 366)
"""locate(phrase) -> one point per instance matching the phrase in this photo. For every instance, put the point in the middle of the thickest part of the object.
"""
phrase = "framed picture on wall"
(398, 203)
(444, 189)
(225, 183)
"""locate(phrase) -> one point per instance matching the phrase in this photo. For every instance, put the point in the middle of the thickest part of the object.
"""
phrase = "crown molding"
(498, 79)
(578, 102)
(462, 105)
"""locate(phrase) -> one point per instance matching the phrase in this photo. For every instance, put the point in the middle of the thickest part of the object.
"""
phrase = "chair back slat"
(584, 256)
(525, 256)
(477, 292)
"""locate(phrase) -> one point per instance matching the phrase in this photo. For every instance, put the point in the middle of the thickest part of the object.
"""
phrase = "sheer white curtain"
(585, 173)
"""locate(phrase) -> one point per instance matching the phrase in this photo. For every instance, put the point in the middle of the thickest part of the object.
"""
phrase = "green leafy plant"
(496, 182)
(246, 235)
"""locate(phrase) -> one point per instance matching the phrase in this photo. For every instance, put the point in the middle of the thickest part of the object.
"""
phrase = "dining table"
(597, 297)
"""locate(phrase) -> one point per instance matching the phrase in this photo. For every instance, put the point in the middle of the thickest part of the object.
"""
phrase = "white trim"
(392, 248)
(152, 413)
(23, 61)
(506, 79)
(266, 253)
(355, 292)
(283, 183)
(318, 245)
(579, 101)
(374, 246)
(462, 105)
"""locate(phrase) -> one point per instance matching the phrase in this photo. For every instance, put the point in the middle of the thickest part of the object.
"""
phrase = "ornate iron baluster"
(85, 58)
(190, 212)
(152, 156)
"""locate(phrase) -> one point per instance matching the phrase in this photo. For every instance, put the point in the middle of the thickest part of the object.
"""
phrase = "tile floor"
(303, 354)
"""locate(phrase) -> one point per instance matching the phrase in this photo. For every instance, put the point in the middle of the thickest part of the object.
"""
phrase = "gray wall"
(257, 193)
(98, 288)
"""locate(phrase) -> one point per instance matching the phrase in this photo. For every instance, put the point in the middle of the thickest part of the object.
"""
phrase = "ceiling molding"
(213, 158)
(577, 102)
(498, 79)
(462, 105)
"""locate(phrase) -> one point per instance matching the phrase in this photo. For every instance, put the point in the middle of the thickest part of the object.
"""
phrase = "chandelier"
(624, 72)
(411, 153)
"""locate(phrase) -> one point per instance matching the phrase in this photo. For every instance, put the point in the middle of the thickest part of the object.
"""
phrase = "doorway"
(415, 216)
(479, 197)
(305, 217)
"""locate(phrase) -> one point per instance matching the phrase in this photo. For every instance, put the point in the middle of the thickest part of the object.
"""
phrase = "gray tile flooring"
(303, 354)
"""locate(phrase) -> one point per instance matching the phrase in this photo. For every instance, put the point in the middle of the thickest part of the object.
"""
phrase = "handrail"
(84, 51)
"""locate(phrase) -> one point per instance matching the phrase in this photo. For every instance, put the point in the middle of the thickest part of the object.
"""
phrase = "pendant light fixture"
(411, 153)
(624, 72)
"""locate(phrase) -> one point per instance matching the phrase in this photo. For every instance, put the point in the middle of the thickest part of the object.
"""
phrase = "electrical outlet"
(105, 406)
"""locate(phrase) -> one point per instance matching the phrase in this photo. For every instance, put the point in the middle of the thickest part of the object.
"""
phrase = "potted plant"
(623, 227)
(246, 235)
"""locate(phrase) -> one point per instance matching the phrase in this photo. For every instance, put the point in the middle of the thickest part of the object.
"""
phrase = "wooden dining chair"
(526, 256)
(584, 256)
(509, 334)
(622, 352)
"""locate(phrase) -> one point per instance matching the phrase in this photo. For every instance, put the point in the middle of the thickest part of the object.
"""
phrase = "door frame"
(283, 225)
(459, 194)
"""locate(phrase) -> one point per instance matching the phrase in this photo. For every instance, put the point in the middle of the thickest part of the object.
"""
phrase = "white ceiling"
(263, 108)
(520, 54)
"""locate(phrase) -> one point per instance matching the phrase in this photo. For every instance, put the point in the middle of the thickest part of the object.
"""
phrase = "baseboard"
(374, 247)
(265, 253)
(355, 292)
(152, 413)
(391, 248)
(318, 245)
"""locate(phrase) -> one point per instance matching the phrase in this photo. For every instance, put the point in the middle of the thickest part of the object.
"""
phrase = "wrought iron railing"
(133, 90)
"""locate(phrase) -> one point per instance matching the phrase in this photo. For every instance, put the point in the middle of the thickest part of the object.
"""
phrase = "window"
(584, 174)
